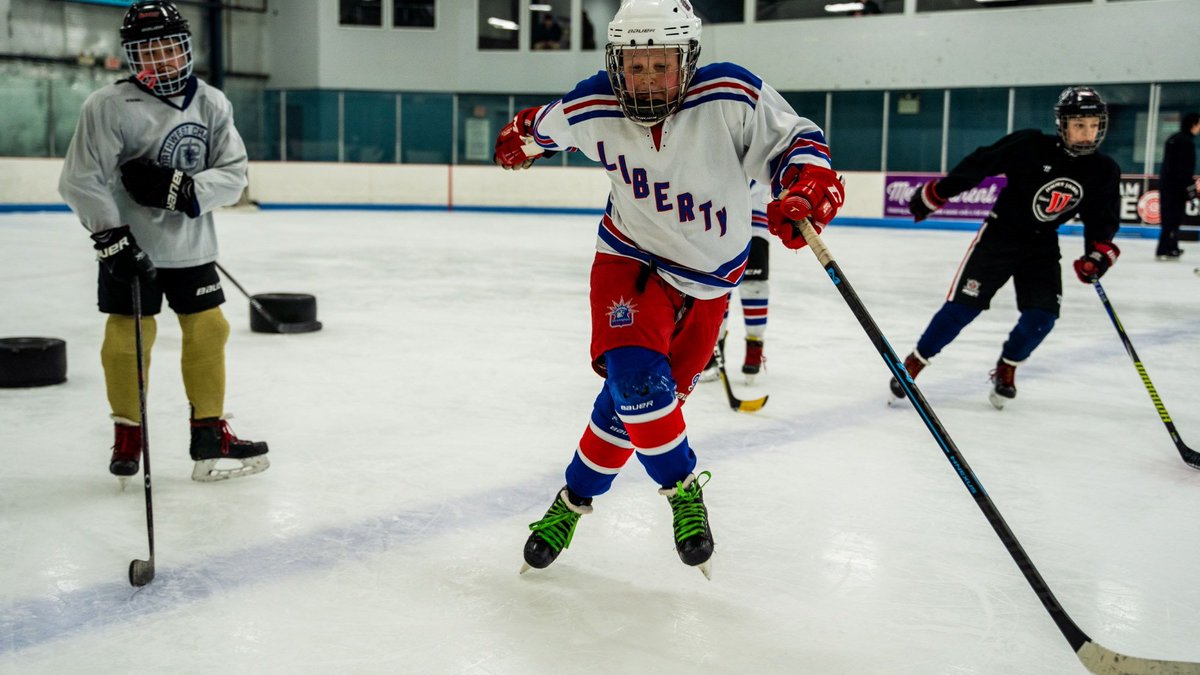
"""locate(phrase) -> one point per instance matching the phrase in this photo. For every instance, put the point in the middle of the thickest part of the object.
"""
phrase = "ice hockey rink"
(416, 436)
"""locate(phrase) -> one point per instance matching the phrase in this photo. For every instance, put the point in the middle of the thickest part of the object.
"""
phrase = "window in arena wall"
(498, 24)
(947, 5)
(720, 11)
(775, 10)
(550, 25)
(360, 12)
(414, 13)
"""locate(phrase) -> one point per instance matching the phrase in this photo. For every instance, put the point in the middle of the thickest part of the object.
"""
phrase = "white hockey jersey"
(685, 206)
(192, 132)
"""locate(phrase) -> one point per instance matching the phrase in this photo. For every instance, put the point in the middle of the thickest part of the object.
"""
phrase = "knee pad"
(1038, 321)
(207, 329)
(639, 380)
(753, 290)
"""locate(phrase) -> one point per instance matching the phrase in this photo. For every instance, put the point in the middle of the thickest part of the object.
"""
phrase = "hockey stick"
(1190, 457)
(752, 405)
(1096, 658)
(141, 572)
(278, 326)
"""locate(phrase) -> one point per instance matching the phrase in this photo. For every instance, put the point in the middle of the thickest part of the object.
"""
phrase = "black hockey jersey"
(1046, 186)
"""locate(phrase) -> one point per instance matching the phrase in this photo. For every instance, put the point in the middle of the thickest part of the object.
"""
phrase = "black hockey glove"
(118, 251)
(925, 201)
(151, 184)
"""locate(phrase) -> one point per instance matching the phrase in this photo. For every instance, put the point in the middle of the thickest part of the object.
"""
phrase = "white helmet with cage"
(158, 46)
(653, 46)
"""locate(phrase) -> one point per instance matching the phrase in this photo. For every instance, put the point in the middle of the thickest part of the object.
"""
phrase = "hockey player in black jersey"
(1051, 179)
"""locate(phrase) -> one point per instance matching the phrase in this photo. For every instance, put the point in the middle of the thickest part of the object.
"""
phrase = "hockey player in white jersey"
(152, 157)
(680, 145)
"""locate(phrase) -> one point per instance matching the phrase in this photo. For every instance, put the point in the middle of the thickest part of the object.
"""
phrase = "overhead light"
(843, 7)
(502, 24)
(540, 8)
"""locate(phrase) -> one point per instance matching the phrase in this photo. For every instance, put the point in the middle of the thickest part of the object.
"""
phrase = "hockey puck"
(32, 361)
(284, 313)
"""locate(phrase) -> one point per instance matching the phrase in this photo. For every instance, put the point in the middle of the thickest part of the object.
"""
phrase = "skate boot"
(754, 358)
(693, 538)
(553, 532)
(712, 372)
(213, 441)
(1004, 383)
(913, 363)
(126, 450)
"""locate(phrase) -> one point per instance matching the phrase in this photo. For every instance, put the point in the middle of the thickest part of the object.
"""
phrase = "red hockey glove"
(925, 201)
(1092, 266)
(513, 141)
(812, 192)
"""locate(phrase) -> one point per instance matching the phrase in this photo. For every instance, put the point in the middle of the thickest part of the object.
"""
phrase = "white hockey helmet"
(653, 46)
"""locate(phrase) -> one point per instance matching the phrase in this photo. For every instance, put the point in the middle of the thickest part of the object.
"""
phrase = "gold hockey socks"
(118, 356)
(203, 361)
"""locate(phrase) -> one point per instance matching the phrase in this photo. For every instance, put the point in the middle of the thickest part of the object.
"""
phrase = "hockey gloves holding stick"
(161, 187)
(1092, 266)
(119, 252)
(810, 191)
(925, 201)
(515, 148)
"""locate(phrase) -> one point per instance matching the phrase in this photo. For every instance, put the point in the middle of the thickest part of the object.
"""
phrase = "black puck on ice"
(285, 313)
(32, 361)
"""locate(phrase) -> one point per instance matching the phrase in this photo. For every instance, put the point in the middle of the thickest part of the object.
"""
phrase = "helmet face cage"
(1076, 102)
(651, 80)
(162, 64)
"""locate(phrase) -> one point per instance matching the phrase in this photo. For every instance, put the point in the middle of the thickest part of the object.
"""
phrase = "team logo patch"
(1056, 198)
(971, 287)
(185, 148)
(620, 313)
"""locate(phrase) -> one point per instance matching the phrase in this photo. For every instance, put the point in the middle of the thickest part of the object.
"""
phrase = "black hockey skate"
(1004, 383)
(913, 363)
(126, 450)
(693, 537)
(754, 359)
(213, 441)
(553, 532)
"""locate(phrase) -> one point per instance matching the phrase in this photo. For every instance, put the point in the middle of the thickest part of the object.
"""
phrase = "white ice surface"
(416, 436)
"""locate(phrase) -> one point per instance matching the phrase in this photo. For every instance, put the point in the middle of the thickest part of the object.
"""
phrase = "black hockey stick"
(141, 572)
(278, 326)
(1095, 657)
(1190, 456)
(752, 405)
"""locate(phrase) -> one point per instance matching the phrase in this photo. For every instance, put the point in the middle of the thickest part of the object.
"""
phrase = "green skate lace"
(558, 526)
(690, 516)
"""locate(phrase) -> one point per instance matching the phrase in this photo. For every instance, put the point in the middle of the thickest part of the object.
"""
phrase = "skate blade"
(206, 470)
(750, 378)
(124, 481)
(709, 377)
(706, 569)
(997, 400)
(524, 568)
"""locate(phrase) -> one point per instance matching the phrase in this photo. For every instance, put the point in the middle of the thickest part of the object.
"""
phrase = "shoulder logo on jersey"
(620, 313)
(1056, 198)
(185, 148)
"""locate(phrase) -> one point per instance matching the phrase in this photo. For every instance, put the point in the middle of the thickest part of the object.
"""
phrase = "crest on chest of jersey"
(158, 46)
(1055, 198)
(653, 47)
(1076, 102)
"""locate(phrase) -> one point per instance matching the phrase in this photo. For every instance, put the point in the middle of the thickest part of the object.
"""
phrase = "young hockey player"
(1051, 179)
(680, 145)
(152, 157)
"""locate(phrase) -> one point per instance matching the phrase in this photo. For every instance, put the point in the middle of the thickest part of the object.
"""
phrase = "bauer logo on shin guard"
(620, 313)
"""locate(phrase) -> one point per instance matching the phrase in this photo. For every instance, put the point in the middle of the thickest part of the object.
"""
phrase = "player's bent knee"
(638, 378)
(208, 328)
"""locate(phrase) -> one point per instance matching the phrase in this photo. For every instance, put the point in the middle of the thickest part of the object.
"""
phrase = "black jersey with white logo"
(1046, 185)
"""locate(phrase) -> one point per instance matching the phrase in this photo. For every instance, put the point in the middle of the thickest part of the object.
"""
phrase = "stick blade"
(1190, 456)
(753, 405)
(141, 572)
(1103, 661)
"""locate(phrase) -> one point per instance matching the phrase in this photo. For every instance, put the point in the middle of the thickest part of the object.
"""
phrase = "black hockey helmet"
(1080, 102)
(146, 20)
(158, 46)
